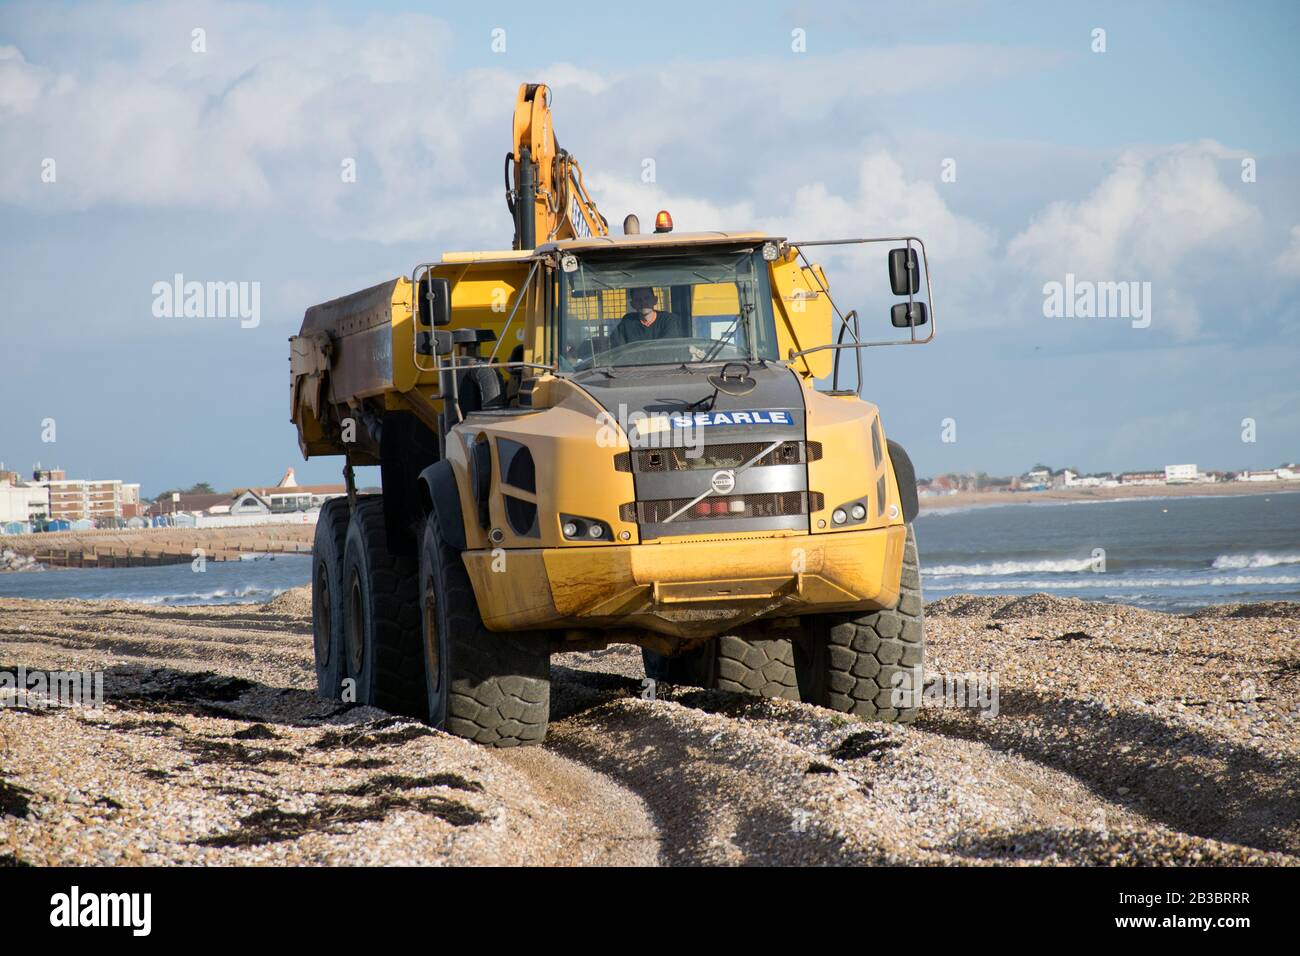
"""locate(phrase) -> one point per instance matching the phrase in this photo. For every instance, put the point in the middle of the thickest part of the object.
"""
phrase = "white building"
(1270, 475)
(1177, 473)
(286, 497)
(1285, 473)
(23, 502)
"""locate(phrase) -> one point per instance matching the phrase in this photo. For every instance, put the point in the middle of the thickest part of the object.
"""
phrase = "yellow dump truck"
(589, 439)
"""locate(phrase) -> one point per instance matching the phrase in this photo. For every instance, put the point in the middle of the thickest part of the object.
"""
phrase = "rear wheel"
(381, 616)
(492, 687)
(737, 664)
(327, 593)
(869, 664)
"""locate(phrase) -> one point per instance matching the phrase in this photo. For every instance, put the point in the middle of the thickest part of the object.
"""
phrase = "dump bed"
(355, 355)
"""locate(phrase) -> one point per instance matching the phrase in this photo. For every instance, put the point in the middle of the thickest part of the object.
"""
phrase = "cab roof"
(652, 240)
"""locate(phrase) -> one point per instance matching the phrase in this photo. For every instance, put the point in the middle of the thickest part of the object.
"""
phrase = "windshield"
(651, 309)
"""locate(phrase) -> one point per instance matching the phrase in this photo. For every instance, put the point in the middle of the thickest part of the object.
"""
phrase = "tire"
(764, 668)
(869, 664)
(327, 597)
(491, 687)
(381, 644)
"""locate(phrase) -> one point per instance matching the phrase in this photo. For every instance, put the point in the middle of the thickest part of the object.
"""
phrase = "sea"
(255, 579)
(1168, 554)
(1163, 553)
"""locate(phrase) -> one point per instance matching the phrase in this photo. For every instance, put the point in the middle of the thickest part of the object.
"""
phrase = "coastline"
(968, 499)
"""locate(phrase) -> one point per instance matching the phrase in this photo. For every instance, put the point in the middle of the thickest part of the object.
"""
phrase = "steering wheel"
(649, 352)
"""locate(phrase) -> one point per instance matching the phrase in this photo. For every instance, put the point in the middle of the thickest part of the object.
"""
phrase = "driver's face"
(643, 299)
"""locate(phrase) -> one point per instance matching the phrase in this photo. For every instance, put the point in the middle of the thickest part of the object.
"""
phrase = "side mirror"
(433, 304)
(906, 315)
(904, 272)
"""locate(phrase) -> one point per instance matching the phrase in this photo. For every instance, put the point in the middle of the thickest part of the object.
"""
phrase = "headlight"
(577, 528)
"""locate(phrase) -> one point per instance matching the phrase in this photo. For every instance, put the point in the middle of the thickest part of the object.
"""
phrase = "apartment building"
(72, 499)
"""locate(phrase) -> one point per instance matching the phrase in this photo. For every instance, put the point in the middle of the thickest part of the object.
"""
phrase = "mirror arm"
(792, 355)
(929, 291)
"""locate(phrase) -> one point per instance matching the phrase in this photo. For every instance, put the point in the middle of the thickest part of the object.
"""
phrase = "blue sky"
(224, 165)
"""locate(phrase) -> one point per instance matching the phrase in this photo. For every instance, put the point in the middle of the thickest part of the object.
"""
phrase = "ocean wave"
(1260, 559)
(944, 511)
(250, 594)
(1105, 581)
(1000, 568)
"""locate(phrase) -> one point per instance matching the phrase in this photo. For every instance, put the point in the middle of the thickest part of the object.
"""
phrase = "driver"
(646, 323)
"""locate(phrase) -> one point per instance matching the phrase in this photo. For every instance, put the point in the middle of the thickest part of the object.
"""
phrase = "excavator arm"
(544, 188)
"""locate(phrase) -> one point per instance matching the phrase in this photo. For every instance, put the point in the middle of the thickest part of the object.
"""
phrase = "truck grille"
(713, 457)
(775, 505)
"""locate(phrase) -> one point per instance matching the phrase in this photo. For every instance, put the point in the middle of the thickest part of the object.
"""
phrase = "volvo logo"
(723, 482)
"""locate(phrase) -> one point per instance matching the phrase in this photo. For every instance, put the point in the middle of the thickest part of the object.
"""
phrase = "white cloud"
(262, 119)
(1151, 211)
(259, 125)
(1288, 263)
(21, 83)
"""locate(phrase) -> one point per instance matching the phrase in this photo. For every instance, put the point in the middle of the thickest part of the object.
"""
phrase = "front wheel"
(762, 667)
(489, 686)
(869, 664)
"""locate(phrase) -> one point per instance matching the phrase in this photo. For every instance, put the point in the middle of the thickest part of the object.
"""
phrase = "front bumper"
(689, 589)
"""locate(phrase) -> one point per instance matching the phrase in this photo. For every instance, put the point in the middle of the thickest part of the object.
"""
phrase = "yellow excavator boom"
(544, 188)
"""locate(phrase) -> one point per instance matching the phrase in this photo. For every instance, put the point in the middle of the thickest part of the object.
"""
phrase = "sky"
(1020, 143)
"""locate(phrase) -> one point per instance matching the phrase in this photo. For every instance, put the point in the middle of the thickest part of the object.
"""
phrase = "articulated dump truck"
(589, 439)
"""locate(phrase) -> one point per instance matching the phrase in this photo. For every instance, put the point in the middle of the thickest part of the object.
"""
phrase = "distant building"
(248, 504)
(1039, 479)
(288, 496)
(1089, 481)
(77, 499)
(1142, 478)
(213, 503)
(1180, 473)
(1268, 474)
(23, 503)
